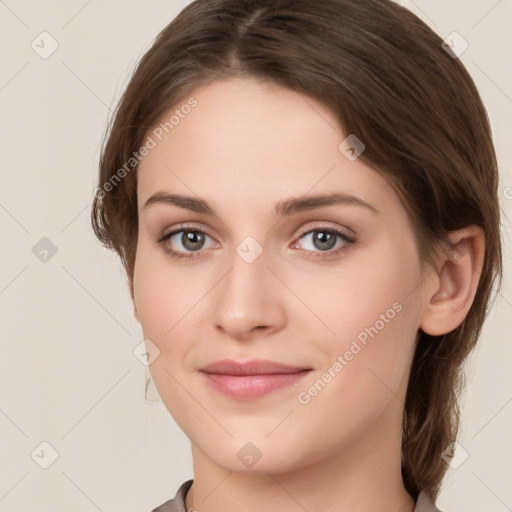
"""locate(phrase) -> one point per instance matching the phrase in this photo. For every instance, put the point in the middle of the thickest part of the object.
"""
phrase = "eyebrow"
(282, 208)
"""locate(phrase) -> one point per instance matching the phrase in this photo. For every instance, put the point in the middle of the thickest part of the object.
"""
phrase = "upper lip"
(254, 367)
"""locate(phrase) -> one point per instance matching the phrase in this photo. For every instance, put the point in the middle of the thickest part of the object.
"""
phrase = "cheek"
(366, 366)
(163, 292)
(374, 315)
(375, 292)
(153, 299)
(164, 299)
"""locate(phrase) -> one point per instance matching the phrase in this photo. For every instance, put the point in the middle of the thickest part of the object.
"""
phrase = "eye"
(189, 242)
(185, 242)
(323, 240)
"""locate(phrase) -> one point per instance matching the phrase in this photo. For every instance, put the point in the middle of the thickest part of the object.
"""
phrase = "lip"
(252, 379)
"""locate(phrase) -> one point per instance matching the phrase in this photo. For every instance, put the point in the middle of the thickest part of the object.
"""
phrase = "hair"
(387, 78)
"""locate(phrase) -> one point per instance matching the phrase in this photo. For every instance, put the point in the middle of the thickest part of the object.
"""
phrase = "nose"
(249, 300)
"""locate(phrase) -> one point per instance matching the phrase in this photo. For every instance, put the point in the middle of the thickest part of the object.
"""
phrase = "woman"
(304, 197)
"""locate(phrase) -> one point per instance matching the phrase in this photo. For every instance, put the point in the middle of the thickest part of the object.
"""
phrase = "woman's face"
(288, 249)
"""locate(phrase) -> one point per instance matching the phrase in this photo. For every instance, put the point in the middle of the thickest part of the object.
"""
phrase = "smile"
(251, 380)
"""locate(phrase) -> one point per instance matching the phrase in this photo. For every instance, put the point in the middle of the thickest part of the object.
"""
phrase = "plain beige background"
(68, 376)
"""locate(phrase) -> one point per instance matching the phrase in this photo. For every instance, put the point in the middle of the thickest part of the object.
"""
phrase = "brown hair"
(386, 77)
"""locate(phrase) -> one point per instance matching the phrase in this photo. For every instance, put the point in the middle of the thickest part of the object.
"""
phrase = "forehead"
(253, 143)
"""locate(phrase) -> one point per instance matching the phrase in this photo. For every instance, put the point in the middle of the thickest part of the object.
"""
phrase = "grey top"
(177, 504)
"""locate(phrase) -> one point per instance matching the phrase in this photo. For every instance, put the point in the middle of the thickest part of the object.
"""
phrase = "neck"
(362, 476)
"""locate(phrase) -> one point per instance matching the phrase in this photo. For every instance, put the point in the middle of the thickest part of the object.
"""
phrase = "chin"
(253, 454)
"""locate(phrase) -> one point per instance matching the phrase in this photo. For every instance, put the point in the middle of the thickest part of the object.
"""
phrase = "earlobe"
(457, 280)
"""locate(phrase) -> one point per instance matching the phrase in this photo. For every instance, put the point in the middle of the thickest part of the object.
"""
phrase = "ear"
(455, 282)
(132, 295)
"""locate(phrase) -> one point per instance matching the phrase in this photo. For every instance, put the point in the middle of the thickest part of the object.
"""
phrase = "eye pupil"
(324, 240)
(192, 240)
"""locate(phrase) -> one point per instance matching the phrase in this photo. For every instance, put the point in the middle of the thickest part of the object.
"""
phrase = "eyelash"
(348, 241)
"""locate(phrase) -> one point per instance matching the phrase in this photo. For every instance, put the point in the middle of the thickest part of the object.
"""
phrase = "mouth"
(253, 379)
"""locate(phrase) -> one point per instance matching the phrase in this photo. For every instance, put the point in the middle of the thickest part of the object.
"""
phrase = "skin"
(247, 146)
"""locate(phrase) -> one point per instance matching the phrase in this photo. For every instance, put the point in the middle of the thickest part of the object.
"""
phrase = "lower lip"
(252, 387)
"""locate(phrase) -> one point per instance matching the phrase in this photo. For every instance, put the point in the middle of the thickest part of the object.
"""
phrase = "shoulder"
(177, 504)
(425, 503)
